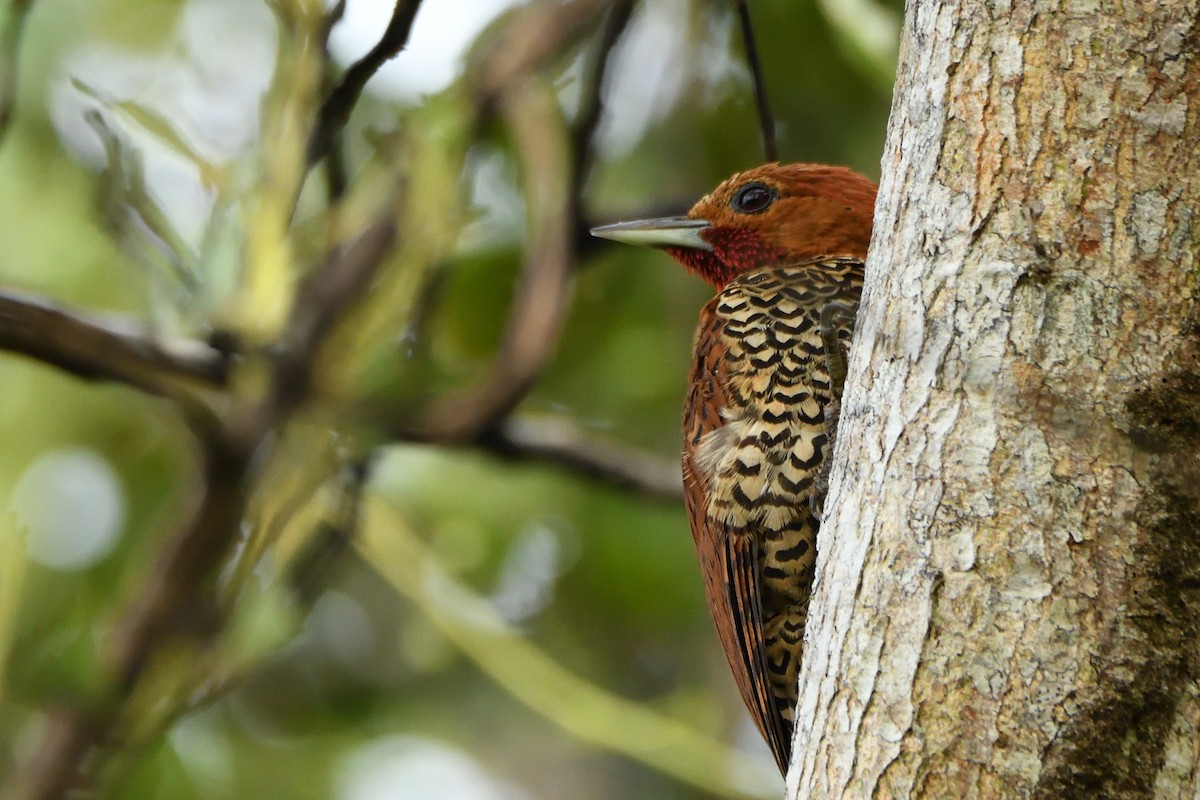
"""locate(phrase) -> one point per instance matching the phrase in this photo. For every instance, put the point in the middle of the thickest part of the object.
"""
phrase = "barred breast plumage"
(757, 435)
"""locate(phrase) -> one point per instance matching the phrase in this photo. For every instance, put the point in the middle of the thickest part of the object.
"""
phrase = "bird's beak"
(663, 232)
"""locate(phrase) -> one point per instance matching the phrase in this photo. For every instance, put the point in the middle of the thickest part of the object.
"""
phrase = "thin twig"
(766, 122)
(587, 119)
(335, 161)
(127, 201)
(565, 445)
(332, 18)
(552, 172)
(540, 302)
(334, 537)
(591, 101)
(337, 284)
(335, 111)
(538, 34)
(95, 349)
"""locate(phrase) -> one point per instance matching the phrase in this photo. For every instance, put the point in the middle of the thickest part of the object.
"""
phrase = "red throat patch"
(735, 250)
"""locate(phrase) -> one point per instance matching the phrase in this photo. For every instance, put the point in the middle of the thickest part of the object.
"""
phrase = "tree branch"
(338, 283)
(561, 443)
(591, 101)
(335, 111)
(102, 350)
(178, 601)
(766, 121)
(94, 349)
(502, 78)
(540, 32)
(541, 294)
(170, 605)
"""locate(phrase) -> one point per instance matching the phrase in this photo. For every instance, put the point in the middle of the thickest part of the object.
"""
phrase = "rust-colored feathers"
(784, 246)
(756, 437)
(815, 213)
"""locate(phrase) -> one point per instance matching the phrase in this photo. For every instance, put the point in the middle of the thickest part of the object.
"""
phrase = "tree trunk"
(1008, 598)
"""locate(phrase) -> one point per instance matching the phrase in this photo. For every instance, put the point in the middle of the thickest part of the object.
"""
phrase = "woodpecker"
(784, 247)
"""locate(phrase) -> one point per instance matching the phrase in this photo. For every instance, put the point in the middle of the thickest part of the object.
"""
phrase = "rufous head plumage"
(770, 215)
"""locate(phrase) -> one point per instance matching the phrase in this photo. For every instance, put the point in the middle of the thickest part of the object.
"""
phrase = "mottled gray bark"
(1008, 599)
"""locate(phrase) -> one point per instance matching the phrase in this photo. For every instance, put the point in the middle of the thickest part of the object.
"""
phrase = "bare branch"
(334, 537)
(560, 443)
(94, 349)
(332, 18)
(337, 284)
(553, 174)
(335, 166)
(766, 122)
(169, 606)
(540, 33)
(540, 302)
(591, 100)
(178, 602)
(336, 109)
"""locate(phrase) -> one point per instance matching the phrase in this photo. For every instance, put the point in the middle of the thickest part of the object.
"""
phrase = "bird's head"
(770, 215)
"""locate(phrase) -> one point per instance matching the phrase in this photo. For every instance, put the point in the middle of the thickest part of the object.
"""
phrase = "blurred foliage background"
(504, 629)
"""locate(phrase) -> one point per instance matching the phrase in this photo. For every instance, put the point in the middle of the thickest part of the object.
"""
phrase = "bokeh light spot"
(410, 768)
(71, 505)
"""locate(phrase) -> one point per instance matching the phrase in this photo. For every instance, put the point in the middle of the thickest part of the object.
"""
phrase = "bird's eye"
(753, 198)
